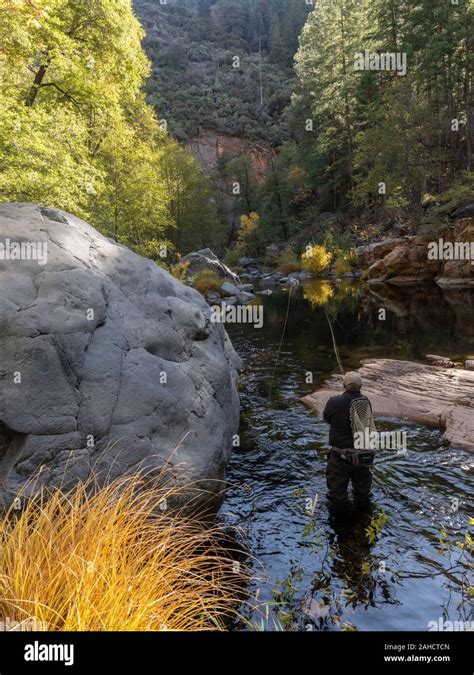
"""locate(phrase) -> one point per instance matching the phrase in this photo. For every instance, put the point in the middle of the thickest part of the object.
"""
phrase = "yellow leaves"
(247, 239)
(318, 292)
(316, 259)
(365, 568)
(32, 10)
(376, 525)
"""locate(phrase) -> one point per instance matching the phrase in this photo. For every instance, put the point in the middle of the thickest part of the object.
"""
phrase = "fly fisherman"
(349, 416)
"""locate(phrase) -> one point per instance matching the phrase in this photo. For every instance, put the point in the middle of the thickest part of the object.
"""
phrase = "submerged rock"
(107, 363)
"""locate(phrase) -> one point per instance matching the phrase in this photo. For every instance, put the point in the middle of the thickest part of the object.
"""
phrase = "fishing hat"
(352, 381)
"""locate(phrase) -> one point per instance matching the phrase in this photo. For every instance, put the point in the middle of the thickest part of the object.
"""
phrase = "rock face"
(199, 261)
(437, 397)
(406, 261)
(106, 361)
(211, 145)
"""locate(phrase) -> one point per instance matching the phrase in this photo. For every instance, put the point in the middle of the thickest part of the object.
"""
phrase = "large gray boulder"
(106, 362)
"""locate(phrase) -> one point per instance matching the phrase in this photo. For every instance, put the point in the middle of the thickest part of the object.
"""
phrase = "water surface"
(314, 573)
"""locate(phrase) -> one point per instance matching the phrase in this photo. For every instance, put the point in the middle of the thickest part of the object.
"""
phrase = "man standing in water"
(348, 414)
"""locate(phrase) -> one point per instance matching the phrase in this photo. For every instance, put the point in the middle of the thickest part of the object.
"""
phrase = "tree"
(241, 171)
(248, 238)
(192, 213)
(382, 138)
(77, 134)
(324, 64)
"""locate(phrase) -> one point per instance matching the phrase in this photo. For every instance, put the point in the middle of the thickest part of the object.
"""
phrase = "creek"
(398, 568)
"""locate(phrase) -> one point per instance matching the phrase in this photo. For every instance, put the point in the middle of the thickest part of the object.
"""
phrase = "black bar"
(442, 652)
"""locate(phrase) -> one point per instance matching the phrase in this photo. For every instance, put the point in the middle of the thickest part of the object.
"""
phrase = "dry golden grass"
(288, 262)
(206, 281)
(113, 559)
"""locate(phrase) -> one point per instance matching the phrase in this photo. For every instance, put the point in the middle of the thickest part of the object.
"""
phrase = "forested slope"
(371, 141)
(222, 64)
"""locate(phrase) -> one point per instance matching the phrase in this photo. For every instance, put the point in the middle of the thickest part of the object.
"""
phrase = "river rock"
(228, 289)
(405, 262)
(206, 259)
(270, 280)
(439, 360)
(304, 275)
(272, 252)
(464, 212)
(244, 298)
(213, 297)
(245, 262)
(436, 397)
(107, 363)
(371, 252)
(469, 364)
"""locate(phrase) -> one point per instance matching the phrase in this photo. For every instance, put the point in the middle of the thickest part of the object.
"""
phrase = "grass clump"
(114, 558)
(288, 262)
(344, 262)
(207, 281)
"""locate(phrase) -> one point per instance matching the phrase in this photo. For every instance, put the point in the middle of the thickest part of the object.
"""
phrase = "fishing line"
(281, 342)
(334, 343)
(336, 351)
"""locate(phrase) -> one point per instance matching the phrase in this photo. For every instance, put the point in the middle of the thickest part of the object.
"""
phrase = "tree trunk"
(39, 77)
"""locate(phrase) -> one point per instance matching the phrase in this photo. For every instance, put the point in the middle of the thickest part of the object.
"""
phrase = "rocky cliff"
(211, 145)
(443, 258)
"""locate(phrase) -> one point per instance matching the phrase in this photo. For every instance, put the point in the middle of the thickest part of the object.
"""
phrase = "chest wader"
(352, 465)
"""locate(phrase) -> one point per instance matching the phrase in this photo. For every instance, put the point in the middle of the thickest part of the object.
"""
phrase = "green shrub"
(231, 258)
(344, 261)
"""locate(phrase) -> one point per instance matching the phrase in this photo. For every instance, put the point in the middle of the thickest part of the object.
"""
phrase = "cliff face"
(212, 145)
(408, 260)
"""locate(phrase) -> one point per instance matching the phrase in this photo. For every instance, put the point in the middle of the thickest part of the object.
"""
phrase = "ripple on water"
(337, 578)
